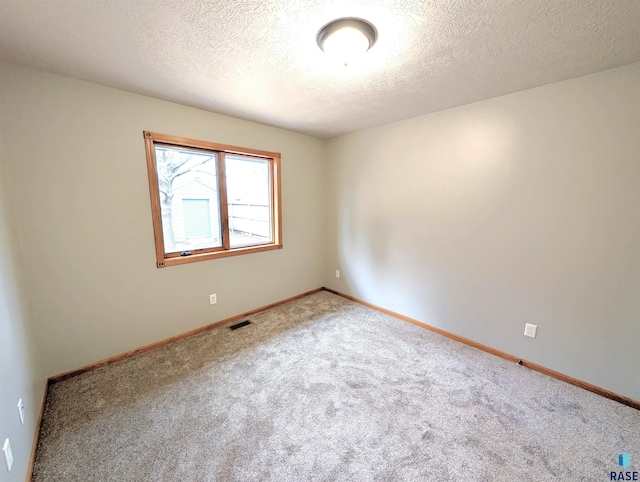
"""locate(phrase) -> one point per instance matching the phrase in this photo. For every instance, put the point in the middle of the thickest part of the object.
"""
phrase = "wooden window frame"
(164, 259)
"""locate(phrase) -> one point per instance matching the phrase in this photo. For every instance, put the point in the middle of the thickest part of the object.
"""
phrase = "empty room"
(319, 240)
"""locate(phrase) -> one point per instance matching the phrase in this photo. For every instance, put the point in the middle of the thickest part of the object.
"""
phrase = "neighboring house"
(195, 219)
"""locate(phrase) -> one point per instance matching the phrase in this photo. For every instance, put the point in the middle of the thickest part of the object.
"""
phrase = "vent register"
(240, 325)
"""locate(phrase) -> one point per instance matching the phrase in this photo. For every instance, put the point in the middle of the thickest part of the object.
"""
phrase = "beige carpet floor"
(323, 389)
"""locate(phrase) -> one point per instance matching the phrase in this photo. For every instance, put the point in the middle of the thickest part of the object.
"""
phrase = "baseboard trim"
(158, 344)
(36, 437)
(532, 366)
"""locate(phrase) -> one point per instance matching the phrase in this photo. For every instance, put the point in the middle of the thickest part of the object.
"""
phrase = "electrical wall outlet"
(213, 299)
(530, 330)
(21, 411)
(337, 273)
(8, 455)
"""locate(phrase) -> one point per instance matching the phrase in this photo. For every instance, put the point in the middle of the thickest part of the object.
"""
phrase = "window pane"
(249, 200)
(189, 202)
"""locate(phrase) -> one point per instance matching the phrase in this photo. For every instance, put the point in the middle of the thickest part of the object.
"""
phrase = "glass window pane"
(249, 200)
(189, 202)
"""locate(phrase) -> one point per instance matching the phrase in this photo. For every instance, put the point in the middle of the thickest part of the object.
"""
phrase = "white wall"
(523, 208)
(19, 377)
(81, 199)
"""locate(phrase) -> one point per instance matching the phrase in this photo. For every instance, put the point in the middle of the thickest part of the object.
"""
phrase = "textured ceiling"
(257, 59)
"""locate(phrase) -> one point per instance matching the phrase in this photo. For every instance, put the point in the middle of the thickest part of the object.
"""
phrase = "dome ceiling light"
(347, 38)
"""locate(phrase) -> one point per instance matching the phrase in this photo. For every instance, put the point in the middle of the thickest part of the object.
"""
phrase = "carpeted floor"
(324, 389)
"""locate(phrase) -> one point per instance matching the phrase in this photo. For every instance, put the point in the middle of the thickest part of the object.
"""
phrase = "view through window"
(211, 200)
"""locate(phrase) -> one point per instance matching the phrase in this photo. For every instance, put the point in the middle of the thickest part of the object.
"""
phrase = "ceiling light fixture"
(347, 38)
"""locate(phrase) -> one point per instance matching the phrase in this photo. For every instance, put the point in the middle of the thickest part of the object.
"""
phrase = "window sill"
(173, 261)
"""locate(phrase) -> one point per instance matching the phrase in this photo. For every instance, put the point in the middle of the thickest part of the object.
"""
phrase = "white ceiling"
(258, 60)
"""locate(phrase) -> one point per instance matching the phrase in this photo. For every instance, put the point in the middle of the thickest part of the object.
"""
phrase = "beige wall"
(19, 375)
(81, 200)
(523, 208)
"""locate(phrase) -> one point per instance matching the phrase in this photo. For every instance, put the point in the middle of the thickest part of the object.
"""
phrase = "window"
(211, 200)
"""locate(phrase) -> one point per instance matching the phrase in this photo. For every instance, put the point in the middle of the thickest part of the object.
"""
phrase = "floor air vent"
(240, 325)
